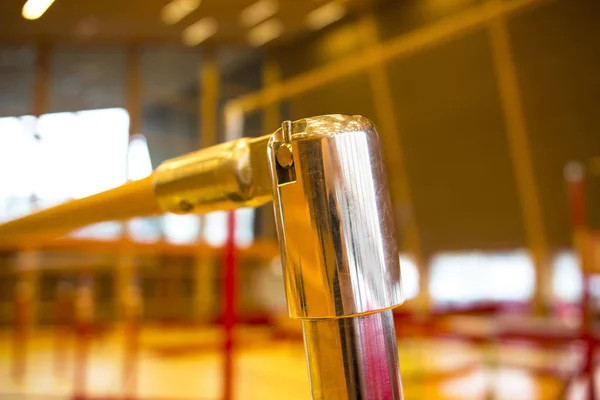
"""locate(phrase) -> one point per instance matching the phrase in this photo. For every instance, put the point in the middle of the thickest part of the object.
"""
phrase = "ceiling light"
(325, 15)
(265, 32)
(176, 10)
(198, 32)
(34, 9)
(258, 12)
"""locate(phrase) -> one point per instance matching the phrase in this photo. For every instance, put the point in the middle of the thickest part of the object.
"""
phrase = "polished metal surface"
(353, 358)
(334, 221)
(224, 177)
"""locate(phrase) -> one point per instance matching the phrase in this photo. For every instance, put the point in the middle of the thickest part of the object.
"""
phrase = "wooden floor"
(185, 363)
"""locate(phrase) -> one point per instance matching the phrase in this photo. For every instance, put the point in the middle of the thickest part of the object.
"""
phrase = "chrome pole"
(339, 254)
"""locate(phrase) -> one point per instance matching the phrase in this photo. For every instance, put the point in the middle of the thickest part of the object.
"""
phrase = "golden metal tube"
(224, 177)
(130, 200)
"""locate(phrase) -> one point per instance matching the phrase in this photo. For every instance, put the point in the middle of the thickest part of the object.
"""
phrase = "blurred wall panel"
(86, 78)
(557, 54)
(17, 75)
(170, 101)
(350, 96)
(332, 44)
(455, 145)
(399, 17)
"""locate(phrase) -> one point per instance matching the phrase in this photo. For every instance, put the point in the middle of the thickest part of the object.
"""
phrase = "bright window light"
(477, 276)
(82, 153)
(18, 167)
(410, 277)
(103, 231)
(244, 226)
(181, 229)
(145, 230)
(139, 164)
(215, 227)
(567, 277)
(34, 9)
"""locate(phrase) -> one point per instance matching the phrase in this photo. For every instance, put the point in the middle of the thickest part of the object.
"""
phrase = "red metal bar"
(229, 311)
(574, 175)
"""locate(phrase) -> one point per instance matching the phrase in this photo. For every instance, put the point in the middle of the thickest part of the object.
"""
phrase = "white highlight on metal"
(176, 10)
(325, 15)
(265, 32)
(258, 12)
(34, 9)
(198, 32)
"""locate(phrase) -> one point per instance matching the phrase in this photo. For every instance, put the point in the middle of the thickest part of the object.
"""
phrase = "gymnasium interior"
(426, 228)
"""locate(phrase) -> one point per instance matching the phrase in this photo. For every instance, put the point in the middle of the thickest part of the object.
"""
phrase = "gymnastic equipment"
(334, 223)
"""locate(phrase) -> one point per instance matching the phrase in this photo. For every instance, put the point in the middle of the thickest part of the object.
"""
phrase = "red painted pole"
(574, 175)
(229, 309)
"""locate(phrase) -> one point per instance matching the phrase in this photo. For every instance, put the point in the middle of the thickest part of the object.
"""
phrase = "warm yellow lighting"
(34, 9)
(258, 12)
(198, 32)
(176, 10)
(265, 32)
(325, 15)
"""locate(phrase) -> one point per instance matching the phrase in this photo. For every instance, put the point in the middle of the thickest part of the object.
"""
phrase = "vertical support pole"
(133, 309)
(272, 121)
(41, 81)
(339, 254)
(61, 328)
(521, 155)
(393, 152)
(25, 298)
(229, 316)
(22, 306)
(84, 314)
(574, 176)
(205, 269)
(134, 89)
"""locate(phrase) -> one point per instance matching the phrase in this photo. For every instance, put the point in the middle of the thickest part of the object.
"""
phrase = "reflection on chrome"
(339, 253)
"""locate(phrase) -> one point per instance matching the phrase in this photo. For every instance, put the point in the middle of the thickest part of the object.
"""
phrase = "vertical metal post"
(84, 314)
(271, 72)
(521, 154)
(229, 309)
(205, 270)
(405, 213)
(22, 306)
(339, 252)
(61, 327)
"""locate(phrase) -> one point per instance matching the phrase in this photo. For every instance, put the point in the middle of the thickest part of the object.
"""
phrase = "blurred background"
(488, 111)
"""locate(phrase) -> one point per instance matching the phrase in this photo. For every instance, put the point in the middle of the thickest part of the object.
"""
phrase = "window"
(475, 276)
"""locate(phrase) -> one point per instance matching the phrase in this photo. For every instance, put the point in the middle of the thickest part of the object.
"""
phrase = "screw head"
(185, 206)
(285, 158)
